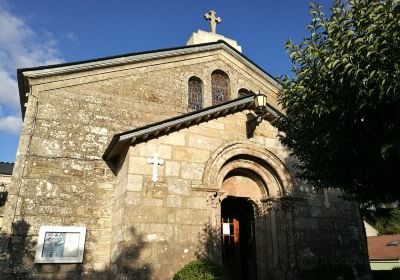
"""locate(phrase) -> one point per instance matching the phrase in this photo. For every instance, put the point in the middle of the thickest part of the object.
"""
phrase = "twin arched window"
(195, 101)
(219, 87)
(220, 90)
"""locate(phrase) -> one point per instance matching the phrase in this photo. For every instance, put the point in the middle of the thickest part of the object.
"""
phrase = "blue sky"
(41, 32)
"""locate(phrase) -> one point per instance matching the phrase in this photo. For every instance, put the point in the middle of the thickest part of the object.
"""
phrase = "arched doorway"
(252, 177)
(238, 238)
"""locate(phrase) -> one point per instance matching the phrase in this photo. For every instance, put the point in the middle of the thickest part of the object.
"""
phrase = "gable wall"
(60, 178)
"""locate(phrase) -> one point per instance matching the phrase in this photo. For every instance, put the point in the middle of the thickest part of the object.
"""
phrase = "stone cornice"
(140, 57)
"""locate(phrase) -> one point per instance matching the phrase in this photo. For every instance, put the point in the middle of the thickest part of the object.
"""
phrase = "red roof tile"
(378, 248)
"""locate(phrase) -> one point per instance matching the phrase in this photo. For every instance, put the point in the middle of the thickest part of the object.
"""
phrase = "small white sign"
(59, 244)
(226, 230)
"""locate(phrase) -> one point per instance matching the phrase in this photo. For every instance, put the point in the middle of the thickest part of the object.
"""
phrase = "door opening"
(238, 238)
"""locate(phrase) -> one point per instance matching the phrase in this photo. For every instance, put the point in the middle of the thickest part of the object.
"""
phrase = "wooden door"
(230, 238)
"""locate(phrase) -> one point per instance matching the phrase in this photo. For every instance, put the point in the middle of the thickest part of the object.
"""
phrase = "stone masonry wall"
(59, 176)
(170, 222)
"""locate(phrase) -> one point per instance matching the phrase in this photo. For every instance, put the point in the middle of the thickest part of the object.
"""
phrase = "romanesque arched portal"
(245, 173)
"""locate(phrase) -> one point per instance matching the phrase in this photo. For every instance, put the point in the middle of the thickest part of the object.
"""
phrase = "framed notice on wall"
(59, 244)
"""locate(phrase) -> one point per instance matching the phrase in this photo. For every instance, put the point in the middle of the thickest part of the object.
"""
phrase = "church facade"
(162, 158)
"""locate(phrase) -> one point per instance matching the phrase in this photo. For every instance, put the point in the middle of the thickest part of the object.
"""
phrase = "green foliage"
(343, 104)
(384, 220)
(328, 272)
(201, 269)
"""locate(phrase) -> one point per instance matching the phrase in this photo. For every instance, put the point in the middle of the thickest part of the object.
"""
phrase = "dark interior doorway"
(238, 238)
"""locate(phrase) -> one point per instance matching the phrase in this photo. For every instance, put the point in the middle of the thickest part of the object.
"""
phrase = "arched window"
(195, 92)
(243, 92)
(219, 87)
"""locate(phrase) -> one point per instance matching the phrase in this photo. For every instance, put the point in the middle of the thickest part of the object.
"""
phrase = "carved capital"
(270, 205)
(214, 198)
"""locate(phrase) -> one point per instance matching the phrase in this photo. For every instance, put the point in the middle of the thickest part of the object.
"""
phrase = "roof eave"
(174, 124)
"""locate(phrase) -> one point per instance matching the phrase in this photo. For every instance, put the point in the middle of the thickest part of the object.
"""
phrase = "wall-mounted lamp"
(260, 102)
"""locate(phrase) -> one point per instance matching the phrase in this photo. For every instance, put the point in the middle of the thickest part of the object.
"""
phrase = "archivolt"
(248, 155)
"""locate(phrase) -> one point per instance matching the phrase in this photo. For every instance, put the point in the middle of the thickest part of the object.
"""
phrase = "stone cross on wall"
(214, 20)
(155, 161)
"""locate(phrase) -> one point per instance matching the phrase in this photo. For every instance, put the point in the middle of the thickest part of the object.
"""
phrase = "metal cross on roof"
(214, 20)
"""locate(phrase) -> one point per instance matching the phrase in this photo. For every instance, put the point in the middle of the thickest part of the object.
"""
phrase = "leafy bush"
(201, 269)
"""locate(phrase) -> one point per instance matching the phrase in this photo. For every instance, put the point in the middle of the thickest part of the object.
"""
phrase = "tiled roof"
(6, 168)
(378, 248)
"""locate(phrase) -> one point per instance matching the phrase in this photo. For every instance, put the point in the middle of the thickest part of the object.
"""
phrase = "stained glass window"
(243, 92)
(195, 98)
(219, 87)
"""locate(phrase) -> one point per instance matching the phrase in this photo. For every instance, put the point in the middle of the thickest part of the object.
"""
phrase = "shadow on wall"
(295, 266)
(17, 253)
(16, 250)
(209, 239)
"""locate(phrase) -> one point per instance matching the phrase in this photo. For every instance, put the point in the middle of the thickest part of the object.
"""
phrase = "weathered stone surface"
(175, 139)
(190, 154)
(204, 142)
(138, 229)
(153, 202)
(149, 149)
(172, 168)
(134, 183)
(192, 171)
(132, 198)
(195, 203)
(174, 200)
(178, 186)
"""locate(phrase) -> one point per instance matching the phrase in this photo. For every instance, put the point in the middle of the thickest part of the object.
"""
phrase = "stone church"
(164, 157)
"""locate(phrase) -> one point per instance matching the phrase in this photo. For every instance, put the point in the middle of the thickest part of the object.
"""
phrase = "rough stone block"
(178, 186)
(213, 124)
(149, 149)
(273, 143)
(132, 198)
(174, 139)
(153, 202)
(139, 165)
(204, 142)
(306, 223)
(189, 216)
(174, 200)
(202, 130)
(195, 202)
(190, 154)
(135, 183)
(192, 171)
(316, 211)
(172, 168)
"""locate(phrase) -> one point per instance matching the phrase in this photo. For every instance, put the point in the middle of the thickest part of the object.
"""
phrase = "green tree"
(343, 103)
(384, 220)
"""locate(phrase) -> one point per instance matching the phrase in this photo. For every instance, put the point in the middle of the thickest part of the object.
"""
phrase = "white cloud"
(20, 47)
(11, 124)
(8, 90)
